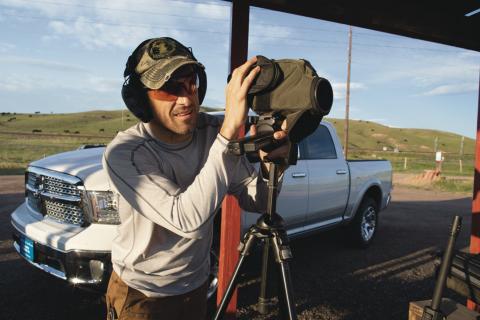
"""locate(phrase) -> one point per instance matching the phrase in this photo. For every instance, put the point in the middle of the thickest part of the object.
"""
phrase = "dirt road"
(331, 280)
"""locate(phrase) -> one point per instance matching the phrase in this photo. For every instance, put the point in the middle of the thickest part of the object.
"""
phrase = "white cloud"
(432, 69)
(101, 84)
(69, 9)
(340, 89)
(104, 23)
(451, 89)
(213, 11)
(263, 36)
(45, 64)
(99, 35)
(25, 83)
(469, 54)
(17, 83)
(6, 47)
(339, 109)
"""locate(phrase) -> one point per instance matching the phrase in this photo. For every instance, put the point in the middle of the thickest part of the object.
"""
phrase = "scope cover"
(291, 88)
(268, 78)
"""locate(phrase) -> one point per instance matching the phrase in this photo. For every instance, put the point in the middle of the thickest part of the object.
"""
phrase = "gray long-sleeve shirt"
(168, 195)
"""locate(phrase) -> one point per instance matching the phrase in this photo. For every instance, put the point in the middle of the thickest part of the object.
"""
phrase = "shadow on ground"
(333, 281)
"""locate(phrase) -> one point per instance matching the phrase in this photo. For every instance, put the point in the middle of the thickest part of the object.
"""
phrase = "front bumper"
(77, 267)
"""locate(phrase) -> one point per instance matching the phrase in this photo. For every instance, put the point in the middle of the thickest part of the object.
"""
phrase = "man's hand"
(280, 152)
(236, 99)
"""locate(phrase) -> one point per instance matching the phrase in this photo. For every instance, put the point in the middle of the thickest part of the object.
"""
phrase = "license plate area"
(27, 248)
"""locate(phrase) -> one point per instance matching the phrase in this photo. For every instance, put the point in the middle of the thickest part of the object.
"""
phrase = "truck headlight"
(104, 207)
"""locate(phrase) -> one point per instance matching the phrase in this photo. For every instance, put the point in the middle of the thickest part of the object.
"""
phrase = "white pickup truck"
(68, 220)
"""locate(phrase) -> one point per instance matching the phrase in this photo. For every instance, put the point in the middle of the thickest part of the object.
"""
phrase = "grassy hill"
(26, 137)
(374, 136)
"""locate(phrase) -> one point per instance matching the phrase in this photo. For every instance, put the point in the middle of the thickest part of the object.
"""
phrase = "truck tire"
(364, 226)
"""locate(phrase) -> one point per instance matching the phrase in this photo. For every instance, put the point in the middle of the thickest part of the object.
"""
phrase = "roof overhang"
(444, 22)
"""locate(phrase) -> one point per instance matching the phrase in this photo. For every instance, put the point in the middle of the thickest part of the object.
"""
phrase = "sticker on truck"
(27, 248)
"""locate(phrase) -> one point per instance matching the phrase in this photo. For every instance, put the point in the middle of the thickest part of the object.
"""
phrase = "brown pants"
(127, 303)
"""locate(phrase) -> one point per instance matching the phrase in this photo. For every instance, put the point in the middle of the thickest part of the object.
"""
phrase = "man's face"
(175, 108)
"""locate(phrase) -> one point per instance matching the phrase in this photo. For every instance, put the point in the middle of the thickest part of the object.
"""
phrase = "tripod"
(270, 229)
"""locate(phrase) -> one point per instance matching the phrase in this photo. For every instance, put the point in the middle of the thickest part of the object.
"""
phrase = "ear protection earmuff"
(133, 90)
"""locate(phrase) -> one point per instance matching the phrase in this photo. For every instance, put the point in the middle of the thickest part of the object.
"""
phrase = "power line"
(114, 23)
(336, 43)
(124, 10)
(227, 20)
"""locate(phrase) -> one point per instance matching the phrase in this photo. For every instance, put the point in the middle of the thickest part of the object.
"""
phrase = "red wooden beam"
(475, 232)
(231, 220)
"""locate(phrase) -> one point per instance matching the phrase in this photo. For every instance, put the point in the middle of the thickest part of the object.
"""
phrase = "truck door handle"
(341, 171)
(299, 175)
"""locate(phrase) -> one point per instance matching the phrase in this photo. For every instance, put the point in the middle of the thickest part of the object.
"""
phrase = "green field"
(27, 137)
(369, 140)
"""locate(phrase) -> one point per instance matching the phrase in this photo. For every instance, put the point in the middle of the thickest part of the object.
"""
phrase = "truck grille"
(64, 212)
(59, 187)
(56, 195)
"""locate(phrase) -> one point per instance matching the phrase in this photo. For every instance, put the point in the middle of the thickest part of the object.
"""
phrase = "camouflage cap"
(155, 60)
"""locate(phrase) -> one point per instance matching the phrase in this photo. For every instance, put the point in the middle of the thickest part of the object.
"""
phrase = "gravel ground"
(330, 279)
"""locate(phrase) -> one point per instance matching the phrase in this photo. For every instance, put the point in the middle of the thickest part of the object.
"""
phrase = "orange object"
(475, 232)
(230, 226)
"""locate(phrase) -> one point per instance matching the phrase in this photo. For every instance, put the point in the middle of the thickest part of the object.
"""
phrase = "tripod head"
(266, 125)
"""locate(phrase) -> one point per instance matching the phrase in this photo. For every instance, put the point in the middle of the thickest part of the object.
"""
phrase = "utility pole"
(347, 106)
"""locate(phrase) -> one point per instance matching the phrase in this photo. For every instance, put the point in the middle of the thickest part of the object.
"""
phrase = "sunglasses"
(174, 88)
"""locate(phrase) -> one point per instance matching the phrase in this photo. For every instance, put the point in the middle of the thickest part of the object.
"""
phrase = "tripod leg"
(282, 253)
(245, 250)
(262, 298)
(286, 283)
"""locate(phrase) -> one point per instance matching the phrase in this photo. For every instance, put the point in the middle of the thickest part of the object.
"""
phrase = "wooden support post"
(230, 226)
(405, 164)
(475, 232)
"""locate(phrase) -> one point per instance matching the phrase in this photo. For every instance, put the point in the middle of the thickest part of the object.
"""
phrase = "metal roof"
(438, 21)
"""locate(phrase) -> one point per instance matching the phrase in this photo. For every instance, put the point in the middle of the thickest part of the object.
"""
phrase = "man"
(171, 172)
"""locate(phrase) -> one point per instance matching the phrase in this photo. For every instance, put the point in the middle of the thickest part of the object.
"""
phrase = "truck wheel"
(363, 228)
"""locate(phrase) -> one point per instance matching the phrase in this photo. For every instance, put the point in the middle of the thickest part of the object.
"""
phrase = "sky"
(59, 56)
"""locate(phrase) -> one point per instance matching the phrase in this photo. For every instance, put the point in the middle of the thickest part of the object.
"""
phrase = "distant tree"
(77, 132)
(29, 115)
(37, 112)
(372, 129)
(104, 117)
(101, 130)
(36, 130)
(66, 131)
